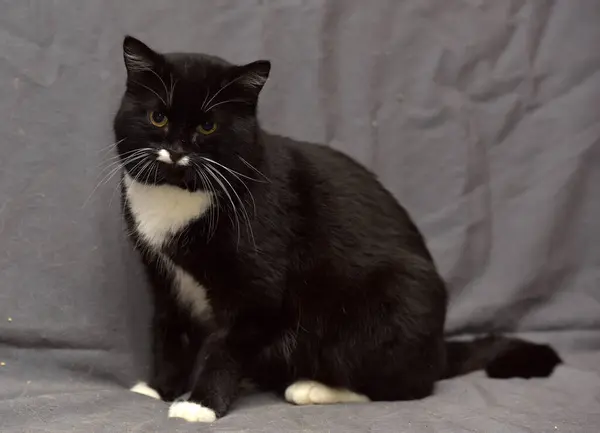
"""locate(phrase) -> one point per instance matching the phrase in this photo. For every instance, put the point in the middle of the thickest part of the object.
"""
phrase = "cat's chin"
(185, 185)
(181, 184)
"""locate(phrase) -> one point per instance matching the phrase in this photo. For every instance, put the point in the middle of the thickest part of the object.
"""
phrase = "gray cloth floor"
(481, 116)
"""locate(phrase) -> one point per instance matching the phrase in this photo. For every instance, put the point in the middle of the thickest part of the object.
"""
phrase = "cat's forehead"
(185, 82)
(197, 68)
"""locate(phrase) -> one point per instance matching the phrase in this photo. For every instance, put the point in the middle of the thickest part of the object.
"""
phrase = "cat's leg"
(221, 367)
(173, 348)
(171, 359)
(305, 392)
(385, 347)
(216, 386)
(172, 354)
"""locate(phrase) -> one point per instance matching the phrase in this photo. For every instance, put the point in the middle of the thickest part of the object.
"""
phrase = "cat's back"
(341, 196)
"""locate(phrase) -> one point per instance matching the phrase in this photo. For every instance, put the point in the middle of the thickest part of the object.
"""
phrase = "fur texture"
(275, 260)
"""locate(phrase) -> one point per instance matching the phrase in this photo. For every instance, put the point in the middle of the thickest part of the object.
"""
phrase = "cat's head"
(186, 119)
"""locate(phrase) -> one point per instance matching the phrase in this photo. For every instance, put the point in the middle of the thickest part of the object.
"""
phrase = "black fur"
(332, 281)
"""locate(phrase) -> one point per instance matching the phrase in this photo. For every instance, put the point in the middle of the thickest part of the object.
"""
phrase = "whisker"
(235, 174)
(212, 222)
(125, 157)
(232, 171)
(221, 103)
(121, 164)
(205, 98)
(221, 89)
(161, 80)
(117, 188)
(216, 210)
(138, 176)
(113, 170)
(153, 91)
(207, 185)
(173, 84)
(243, 208)
(234, 207)
(112, 146)
(254, 168)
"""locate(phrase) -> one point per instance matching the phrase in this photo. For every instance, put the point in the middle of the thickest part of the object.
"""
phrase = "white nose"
(165, 156)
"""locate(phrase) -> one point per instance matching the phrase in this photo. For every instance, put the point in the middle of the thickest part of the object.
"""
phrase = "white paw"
(191, 412)
(305, 392)
(143, 389)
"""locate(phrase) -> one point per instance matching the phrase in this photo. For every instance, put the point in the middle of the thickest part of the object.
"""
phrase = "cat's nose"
(176, 156)
(172, 157)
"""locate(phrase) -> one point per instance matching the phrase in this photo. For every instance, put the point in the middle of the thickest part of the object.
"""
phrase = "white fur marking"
(143, 389)
(304, 392)
(189, 292)
(161, 211)
(192, 412)
(164, 156)
(184, 161)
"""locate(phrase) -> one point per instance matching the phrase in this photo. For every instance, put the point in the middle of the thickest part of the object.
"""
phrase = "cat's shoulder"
(310, 153)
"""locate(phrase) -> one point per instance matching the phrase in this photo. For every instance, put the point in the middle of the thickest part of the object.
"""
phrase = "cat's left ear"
(253, 76)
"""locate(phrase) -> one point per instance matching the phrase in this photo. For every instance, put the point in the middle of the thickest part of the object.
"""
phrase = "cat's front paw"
(142, 388)
(168, 388)
(191, 412)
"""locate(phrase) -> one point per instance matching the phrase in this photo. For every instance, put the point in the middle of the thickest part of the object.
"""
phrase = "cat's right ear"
(138, 56)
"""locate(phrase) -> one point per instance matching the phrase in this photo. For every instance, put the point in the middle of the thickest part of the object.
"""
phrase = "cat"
(282, 262)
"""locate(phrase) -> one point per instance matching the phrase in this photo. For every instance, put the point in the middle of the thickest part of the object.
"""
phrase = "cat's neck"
(161, 211)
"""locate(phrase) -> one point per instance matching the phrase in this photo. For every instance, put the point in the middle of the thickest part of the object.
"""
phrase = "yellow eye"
(207, 127)
(158, 119)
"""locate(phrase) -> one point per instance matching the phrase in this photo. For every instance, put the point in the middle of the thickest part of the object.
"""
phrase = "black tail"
(500, 357)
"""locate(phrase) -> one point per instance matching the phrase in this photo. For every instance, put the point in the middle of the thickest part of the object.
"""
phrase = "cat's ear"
(138, 56)
(253, 76)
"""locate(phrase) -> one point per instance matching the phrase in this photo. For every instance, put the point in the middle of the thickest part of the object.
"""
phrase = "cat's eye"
(207, 127)
(158, 119)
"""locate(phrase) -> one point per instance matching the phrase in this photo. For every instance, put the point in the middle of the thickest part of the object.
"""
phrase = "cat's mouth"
(181, 177)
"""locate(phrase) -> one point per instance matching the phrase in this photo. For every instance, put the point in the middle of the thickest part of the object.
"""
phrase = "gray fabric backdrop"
(481, 116)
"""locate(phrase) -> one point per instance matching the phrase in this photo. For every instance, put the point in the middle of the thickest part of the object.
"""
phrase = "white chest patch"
(159, 213)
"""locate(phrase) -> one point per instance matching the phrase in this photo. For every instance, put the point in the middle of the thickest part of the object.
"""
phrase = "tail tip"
(525, 360)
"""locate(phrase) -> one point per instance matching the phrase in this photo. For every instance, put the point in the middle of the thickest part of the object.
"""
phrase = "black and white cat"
(275, 260)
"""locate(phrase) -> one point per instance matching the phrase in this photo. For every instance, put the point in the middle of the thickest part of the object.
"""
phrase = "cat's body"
(294, 268)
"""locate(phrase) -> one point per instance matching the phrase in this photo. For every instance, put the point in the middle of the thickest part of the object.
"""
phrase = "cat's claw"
(191, 412)
(304, 392)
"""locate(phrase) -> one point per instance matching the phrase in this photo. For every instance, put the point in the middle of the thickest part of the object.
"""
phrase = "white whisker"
(125, 156)
(231, 170)
(224, 189)
(161, 80)
(112, 146)
(214, 210)
(240, 201)
(221, 89)
(151, 90)
(173, 84)
(205, 98)
(114, 169)
(254, 168)
(221, 103)
(237, 176)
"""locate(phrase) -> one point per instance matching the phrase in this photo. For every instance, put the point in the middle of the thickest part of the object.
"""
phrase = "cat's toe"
(143, 389)
(191, 412)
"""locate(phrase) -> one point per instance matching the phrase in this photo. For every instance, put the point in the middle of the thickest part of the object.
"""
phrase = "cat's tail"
(501, 357)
